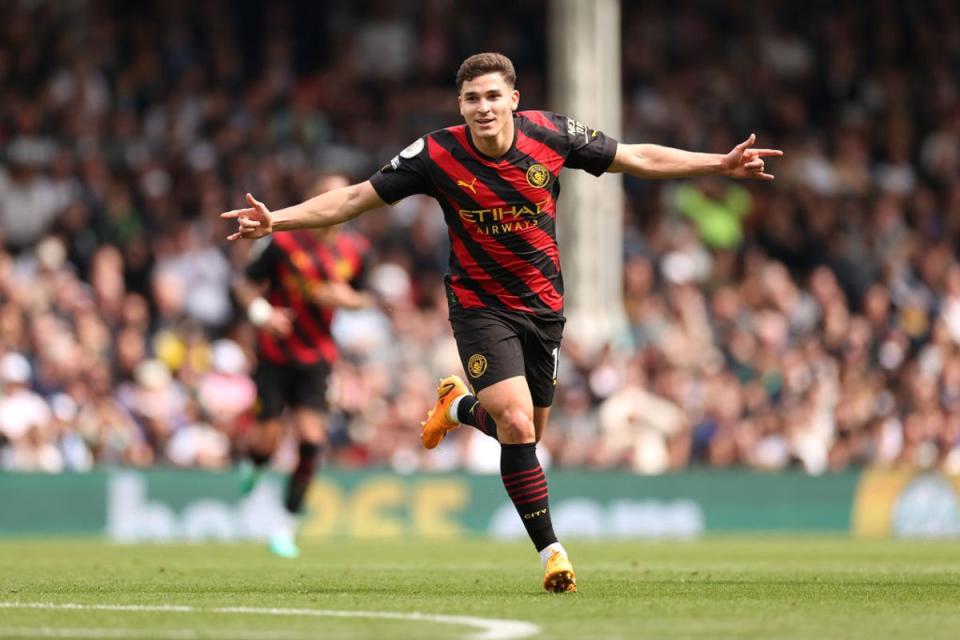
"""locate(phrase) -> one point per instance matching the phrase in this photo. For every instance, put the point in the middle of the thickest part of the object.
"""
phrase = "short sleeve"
(405, 175)
(590, 149)
(262, 260)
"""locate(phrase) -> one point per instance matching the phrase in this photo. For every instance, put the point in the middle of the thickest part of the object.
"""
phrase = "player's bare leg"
(540, 417)
(467, 409)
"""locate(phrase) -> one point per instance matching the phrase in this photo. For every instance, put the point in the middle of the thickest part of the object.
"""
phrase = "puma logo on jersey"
(468, 185)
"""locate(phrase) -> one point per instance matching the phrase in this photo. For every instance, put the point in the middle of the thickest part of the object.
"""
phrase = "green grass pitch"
(719, 587)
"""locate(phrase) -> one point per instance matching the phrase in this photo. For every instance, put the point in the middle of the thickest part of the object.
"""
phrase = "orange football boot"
(438, 421)
(558, 574)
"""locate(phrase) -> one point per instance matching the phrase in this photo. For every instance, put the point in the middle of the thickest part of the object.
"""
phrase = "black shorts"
(496, 345)
(290, 385)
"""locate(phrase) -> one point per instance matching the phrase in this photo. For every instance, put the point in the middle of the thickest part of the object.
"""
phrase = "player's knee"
(267, 436)
(311, 426)
(514, 426)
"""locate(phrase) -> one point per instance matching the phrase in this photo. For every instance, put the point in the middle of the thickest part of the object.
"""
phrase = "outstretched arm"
(324, 210)
(655, 161)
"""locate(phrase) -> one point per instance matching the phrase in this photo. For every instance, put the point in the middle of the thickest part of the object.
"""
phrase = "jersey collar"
(513, 145)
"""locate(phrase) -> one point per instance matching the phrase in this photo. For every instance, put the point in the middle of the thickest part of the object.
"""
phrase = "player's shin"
(302, 476)
(283, 540)
(526, 485)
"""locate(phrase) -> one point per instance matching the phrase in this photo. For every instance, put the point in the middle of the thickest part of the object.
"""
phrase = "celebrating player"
(495, 178)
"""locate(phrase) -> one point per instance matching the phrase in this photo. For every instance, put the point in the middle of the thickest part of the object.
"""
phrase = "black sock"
(258, 459)
(471, 412)
(299, 481)
(527, 487)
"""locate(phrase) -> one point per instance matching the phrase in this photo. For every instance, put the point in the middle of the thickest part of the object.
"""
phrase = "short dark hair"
(483, 63)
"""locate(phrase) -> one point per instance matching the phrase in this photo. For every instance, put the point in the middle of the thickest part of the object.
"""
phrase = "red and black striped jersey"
(294, 264)
(500, 213)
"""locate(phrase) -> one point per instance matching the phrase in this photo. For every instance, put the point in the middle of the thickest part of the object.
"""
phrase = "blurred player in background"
(291, 287)
(496, 180)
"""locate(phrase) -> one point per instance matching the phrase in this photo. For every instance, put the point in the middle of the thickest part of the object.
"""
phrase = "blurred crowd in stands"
(813, 322)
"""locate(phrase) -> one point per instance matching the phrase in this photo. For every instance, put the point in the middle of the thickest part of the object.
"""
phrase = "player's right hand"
(252, 223)
(280, 323)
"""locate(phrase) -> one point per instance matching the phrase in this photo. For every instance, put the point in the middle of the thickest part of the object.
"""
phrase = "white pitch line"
(489, 628)
(97, 633)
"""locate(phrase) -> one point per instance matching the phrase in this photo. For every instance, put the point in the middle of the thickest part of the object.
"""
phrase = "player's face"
(487, 103)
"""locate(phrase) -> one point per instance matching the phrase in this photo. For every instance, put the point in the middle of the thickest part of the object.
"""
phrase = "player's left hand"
(341, 294)
(253, 222)
(746, 162)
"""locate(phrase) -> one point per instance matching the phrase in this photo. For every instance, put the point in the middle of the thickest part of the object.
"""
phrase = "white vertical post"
(585, 84)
